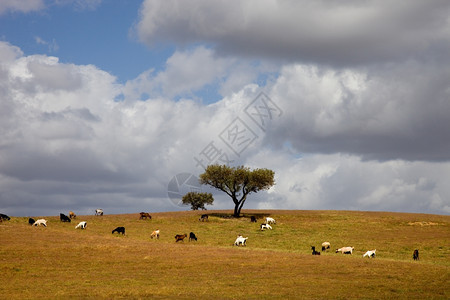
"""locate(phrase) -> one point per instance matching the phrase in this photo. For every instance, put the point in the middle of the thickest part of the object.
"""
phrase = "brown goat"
(144, 215)
(180, 237)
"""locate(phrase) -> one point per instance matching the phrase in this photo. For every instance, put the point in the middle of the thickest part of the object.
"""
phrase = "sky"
(120, 105)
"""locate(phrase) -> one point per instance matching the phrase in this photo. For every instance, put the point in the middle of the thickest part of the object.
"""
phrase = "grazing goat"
(270, 220)
(119, 230)
(345, 250)
(253, 219)
(144, 215)
(370, 253)
(31, 221)
(192, 237)
(4, 217)
(241, 241)
(180, 237)
(265, 226)
(155, 234)
(314, 252)
(203, 218)
(81, 225)
(416, 254)
(99, 212)
(72, 215)
(40, 222)
(64, 218)
(325, 246)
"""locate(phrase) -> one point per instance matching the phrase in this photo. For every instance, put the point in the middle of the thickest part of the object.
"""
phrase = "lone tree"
(197, 200)
(237, 182)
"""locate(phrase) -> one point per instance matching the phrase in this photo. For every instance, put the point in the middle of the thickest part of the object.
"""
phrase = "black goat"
(5, 217)
(64, 218)
(192, 237)
(314, 252)
(119, 230)
(416, 254)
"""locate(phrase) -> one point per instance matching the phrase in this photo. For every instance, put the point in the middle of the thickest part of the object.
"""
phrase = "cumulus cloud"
(363, 93)
(344, 33)
(188, 71)
(185, 72)
(67, 142)
(400, 112)
(346, 182)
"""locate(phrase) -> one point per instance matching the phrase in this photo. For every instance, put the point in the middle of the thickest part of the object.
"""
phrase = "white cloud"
(189, 71)
(395, 112)
(347, 183)
(66, 144)
(338, 33)
(62, 128)
(8, 52)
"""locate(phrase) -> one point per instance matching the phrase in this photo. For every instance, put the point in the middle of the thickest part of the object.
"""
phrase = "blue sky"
(102, 36)
(103, 103)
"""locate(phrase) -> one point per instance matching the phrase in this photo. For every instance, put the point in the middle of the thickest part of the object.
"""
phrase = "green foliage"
(237, 182)
(197, 200)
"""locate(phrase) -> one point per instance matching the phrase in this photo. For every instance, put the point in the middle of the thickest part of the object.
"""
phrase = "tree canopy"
(197, 200)
(237, 182)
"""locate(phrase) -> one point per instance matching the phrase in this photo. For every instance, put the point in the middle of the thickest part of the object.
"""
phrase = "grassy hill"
(59, 261)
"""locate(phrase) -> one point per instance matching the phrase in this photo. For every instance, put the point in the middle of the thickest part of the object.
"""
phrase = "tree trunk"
(238, 206)
(237, 211)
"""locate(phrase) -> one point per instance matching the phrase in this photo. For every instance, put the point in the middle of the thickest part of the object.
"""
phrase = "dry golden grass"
(59, 261)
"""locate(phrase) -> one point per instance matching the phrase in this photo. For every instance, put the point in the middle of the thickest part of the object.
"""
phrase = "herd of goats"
(240, 240)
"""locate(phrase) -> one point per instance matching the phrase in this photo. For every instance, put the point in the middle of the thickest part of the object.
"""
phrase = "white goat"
(270, 220)
(99, 212)
(325, 246)
(241, 241)
(345, 250)
(40, 222)
(370, 253)
(155, 234)
(265, 226)
(81, 225)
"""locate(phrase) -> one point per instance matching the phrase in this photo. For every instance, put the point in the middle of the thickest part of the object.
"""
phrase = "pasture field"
(59, 261)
